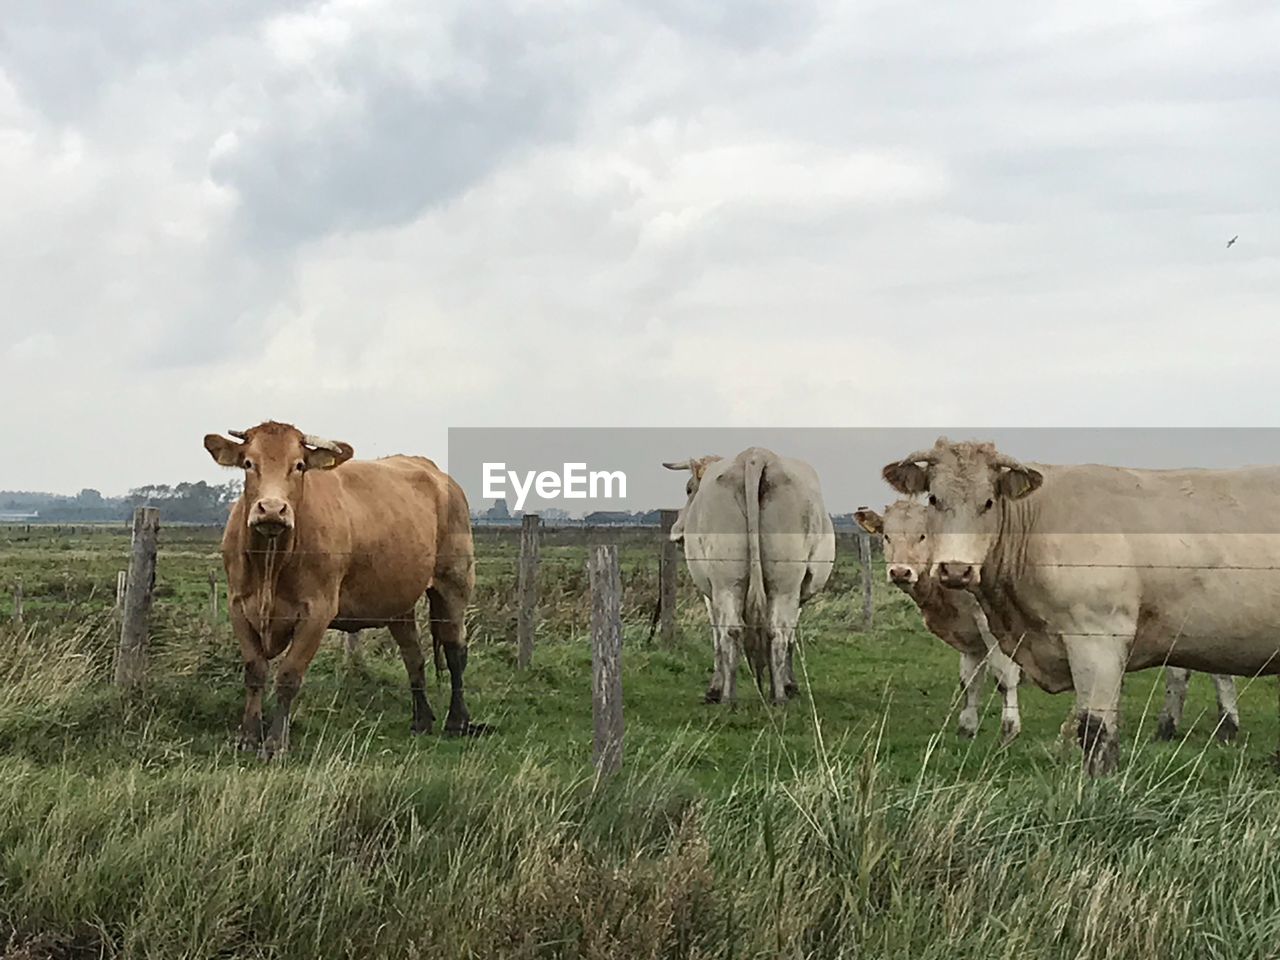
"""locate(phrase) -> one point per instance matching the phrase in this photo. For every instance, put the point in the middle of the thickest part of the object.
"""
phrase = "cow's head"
(966, 484)
(906, 542)
(275, 458)
(696, 466)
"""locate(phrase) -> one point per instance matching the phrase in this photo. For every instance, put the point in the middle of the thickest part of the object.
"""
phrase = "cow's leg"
(307, 637)
(405, 633)
(783, 614)
(448, 604)
(1228, 708)
(1097, 672)
(1008, 675)
(715, 689)
(1175, 698)
(792, 688)
(255, 681)
(725, 611)
(973, 670)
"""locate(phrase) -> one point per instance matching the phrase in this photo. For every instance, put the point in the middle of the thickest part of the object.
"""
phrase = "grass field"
(851, 823)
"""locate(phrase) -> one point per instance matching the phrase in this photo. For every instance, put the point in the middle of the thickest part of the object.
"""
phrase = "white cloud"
(381, 218)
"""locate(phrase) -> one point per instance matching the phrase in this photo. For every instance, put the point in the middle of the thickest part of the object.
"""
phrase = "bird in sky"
(1232, 240)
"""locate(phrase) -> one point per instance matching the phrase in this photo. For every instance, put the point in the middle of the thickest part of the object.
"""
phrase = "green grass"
(851, 823)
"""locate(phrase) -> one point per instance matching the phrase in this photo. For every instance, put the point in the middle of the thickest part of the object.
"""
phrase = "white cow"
(953, 616)
(1106, 570)
(759, 543)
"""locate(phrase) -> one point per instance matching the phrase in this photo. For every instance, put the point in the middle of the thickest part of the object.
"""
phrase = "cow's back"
(386, 526)
(1191, 556)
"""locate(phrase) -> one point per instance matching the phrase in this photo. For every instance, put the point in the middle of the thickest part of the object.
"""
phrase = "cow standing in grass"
(318, 540)
(1088, 572)
(952, 616)
(758, 543)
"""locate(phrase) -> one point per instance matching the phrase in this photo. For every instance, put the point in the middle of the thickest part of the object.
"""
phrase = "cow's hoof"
(419, 729)
(712, 696)
(1009, 731)
(271, 752)
(247, 743)
(1166, 729)
(1227, 730)
(966, 733)
(792, 690)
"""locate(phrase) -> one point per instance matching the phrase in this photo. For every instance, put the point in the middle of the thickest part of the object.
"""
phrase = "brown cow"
(319, 540)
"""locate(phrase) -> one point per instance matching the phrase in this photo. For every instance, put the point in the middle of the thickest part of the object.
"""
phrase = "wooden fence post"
(17, 601)
(213, 596)
(864, 560)
(606, 659)
(530, 535)
(668, 569)
(131, 658)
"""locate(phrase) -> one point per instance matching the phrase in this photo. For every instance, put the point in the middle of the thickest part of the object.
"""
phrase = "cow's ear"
(906, 476)
(226, 452)
(1018, 482)
(869, 520)
(324, 459)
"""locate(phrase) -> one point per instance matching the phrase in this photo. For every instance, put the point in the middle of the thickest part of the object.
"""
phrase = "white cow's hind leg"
(972, 671)
(725, 611)
(783, 614)
(1228, 708)
(1175, 698)
(715, 689)
(1097, 672)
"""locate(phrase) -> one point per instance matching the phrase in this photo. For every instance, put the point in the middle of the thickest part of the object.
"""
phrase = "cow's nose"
(272, 509)
(956, 575)
(900, 574)
(271, 515)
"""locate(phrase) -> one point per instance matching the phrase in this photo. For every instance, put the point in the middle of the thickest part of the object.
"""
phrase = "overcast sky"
(382, 218)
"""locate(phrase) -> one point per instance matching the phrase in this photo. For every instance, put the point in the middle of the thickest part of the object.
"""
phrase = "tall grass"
(130, 828)
(347, 855)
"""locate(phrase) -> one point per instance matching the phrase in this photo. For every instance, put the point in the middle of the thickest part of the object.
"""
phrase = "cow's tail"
(756, 603)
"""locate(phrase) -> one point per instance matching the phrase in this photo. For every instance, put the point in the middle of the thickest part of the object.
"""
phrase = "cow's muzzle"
(271, 517)
(957, 576)
(902, 575)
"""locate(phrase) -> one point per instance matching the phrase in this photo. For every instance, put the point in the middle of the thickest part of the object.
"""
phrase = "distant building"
(18, 516)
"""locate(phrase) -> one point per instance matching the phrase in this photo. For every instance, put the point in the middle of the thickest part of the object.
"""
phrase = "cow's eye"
(248, 464)
(300, 466)
(922, 538)
(934, 501)
(886, 538)
(988, 505)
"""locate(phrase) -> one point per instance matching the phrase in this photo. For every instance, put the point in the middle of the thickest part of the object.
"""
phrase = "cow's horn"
(1006, 461)
(238, 434)
(920, 456)
(677, 464)
(321, 444)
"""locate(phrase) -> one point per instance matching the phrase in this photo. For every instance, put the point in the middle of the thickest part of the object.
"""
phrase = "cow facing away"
(952, 616)
(1088, 572)
(758, 543)
(318, 540)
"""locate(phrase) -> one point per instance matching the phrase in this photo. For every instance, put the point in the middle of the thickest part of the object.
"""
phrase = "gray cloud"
(381, 219)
